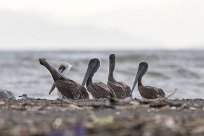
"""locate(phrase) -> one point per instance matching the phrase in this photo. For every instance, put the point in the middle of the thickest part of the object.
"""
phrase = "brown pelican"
(67, 87)
(98, 90)
(63, 69)
(4, 94)
(147, 92)
(121, 89)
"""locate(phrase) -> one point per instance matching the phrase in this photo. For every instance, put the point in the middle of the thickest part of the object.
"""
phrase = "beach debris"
(101, 120)
(57, 122)
(6, 95)
(198, 130)
(115, 101)
(77, 130)
(57, 118)
(25, 97)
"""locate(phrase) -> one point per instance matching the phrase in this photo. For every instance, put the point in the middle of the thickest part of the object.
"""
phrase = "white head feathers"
(64, 67)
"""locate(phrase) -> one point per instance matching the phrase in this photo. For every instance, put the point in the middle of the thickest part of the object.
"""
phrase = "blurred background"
(169, 35)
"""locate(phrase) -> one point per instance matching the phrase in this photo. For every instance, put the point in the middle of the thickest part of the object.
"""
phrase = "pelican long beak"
(52, 88)
(140, 71)
(90, 68)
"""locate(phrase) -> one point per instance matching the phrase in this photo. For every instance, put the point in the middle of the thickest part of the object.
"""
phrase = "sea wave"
(22, 73)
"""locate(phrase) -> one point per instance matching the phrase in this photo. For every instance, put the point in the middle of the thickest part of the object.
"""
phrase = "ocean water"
(21, 72)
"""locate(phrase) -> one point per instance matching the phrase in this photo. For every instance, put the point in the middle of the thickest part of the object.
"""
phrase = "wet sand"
(104, 117)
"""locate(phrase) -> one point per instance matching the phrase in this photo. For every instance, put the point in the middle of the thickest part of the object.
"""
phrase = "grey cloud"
(19, 28)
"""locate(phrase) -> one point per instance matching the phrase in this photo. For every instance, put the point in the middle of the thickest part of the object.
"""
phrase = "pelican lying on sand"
(121, 89)
(98, 90)
(67, 87)
(4, 94)
(63, 69)
(147, 92)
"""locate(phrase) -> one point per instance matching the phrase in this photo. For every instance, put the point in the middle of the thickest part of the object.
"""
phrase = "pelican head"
(142, 69)
(64, 68)
(112, 57)
(93, 66)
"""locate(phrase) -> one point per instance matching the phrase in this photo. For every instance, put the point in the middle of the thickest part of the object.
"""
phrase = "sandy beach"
(40, 117)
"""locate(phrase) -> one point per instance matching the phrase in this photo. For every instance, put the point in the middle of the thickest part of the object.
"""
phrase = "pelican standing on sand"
(67, 87)
(147, 92)
(98, 90)
(63, 69)
(121, 89)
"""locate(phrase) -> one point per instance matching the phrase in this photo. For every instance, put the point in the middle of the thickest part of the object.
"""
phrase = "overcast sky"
(105, 24)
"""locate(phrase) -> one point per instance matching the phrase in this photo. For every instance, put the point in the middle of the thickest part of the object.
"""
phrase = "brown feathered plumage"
(98, 90)
(147, 92)
(120, 89)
